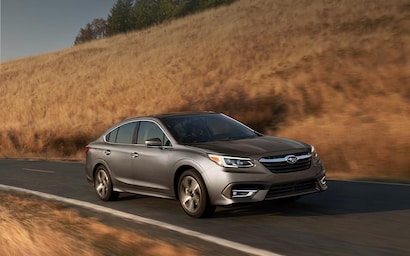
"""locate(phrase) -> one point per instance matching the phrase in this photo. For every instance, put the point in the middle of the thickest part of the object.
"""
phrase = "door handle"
(134, 155)
(107, 152)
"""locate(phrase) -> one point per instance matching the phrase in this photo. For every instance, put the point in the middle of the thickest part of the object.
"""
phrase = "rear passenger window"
(112, 136)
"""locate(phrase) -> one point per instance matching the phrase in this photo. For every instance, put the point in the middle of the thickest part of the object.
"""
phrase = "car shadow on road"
(128, 196)
(340, 199)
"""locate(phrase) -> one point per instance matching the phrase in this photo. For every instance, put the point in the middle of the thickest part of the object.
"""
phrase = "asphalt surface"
(350, 218)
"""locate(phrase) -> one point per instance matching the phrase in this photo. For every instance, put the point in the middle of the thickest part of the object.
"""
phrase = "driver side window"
(148, 131)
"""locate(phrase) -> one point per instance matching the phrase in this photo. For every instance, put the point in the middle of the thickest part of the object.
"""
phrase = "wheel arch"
(98, 164)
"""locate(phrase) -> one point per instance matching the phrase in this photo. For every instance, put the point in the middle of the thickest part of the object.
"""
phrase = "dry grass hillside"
(332, 73)
(29, 226)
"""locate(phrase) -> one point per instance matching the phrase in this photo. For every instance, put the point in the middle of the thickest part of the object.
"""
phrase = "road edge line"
(140, 219)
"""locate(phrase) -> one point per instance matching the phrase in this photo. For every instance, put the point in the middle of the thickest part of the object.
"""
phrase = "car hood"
(259, 146)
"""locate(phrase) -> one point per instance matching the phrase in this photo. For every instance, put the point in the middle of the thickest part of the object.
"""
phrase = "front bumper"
(249, 192)
(232, 188)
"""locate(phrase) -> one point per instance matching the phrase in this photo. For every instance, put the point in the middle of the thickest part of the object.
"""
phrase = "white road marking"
(139, 219)
(37, 170)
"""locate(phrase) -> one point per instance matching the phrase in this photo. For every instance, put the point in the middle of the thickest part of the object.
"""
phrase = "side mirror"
(154, 142)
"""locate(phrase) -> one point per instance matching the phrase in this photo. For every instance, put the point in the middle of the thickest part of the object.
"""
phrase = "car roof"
(173, 114)
(164, 115)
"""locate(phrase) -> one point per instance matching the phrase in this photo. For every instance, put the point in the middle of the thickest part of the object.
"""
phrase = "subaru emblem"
(291, 159)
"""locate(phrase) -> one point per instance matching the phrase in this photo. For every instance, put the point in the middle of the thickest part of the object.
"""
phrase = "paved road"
(351, 218)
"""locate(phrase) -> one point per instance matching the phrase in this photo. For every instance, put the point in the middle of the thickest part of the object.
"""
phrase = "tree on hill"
(94, 30)
(142, 13)
(120, 19)
(150, 12)
(129, 15)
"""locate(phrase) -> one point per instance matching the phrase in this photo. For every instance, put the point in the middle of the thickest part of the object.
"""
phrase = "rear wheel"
(103, 185)
(193, 195)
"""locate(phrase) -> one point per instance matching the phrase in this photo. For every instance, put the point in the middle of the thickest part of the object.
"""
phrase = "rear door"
(118, 153)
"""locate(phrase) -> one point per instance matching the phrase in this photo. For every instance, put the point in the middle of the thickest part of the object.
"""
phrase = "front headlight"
(231, 162)
(315, 158)
(313, 152)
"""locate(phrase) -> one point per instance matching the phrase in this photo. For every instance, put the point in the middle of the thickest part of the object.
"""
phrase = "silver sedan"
(203, 159)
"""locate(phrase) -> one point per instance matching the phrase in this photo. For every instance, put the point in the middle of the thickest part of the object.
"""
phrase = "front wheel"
(103, 185)
(193, 195)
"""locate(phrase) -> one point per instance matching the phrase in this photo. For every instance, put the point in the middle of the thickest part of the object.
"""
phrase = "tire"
(193, 195)
(103, 185)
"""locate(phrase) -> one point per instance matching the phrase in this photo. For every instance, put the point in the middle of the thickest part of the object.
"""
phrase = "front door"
(151, 164)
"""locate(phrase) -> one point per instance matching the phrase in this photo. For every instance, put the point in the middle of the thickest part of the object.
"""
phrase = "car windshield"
(199, 128)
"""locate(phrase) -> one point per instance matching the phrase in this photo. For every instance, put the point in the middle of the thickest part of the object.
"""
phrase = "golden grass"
(29, 226)
(332, 73)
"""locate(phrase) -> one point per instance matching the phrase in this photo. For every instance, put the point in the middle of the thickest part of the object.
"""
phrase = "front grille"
(289, 189)
(280, 165)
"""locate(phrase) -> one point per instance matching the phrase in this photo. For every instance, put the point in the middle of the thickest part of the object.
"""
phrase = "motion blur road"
(350, 218)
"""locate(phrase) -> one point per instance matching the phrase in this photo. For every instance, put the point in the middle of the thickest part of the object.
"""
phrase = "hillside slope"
(332, 73)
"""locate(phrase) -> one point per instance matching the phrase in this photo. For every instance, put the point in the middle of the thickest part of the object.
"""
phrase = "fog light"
(243, 193)
(322, 186)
